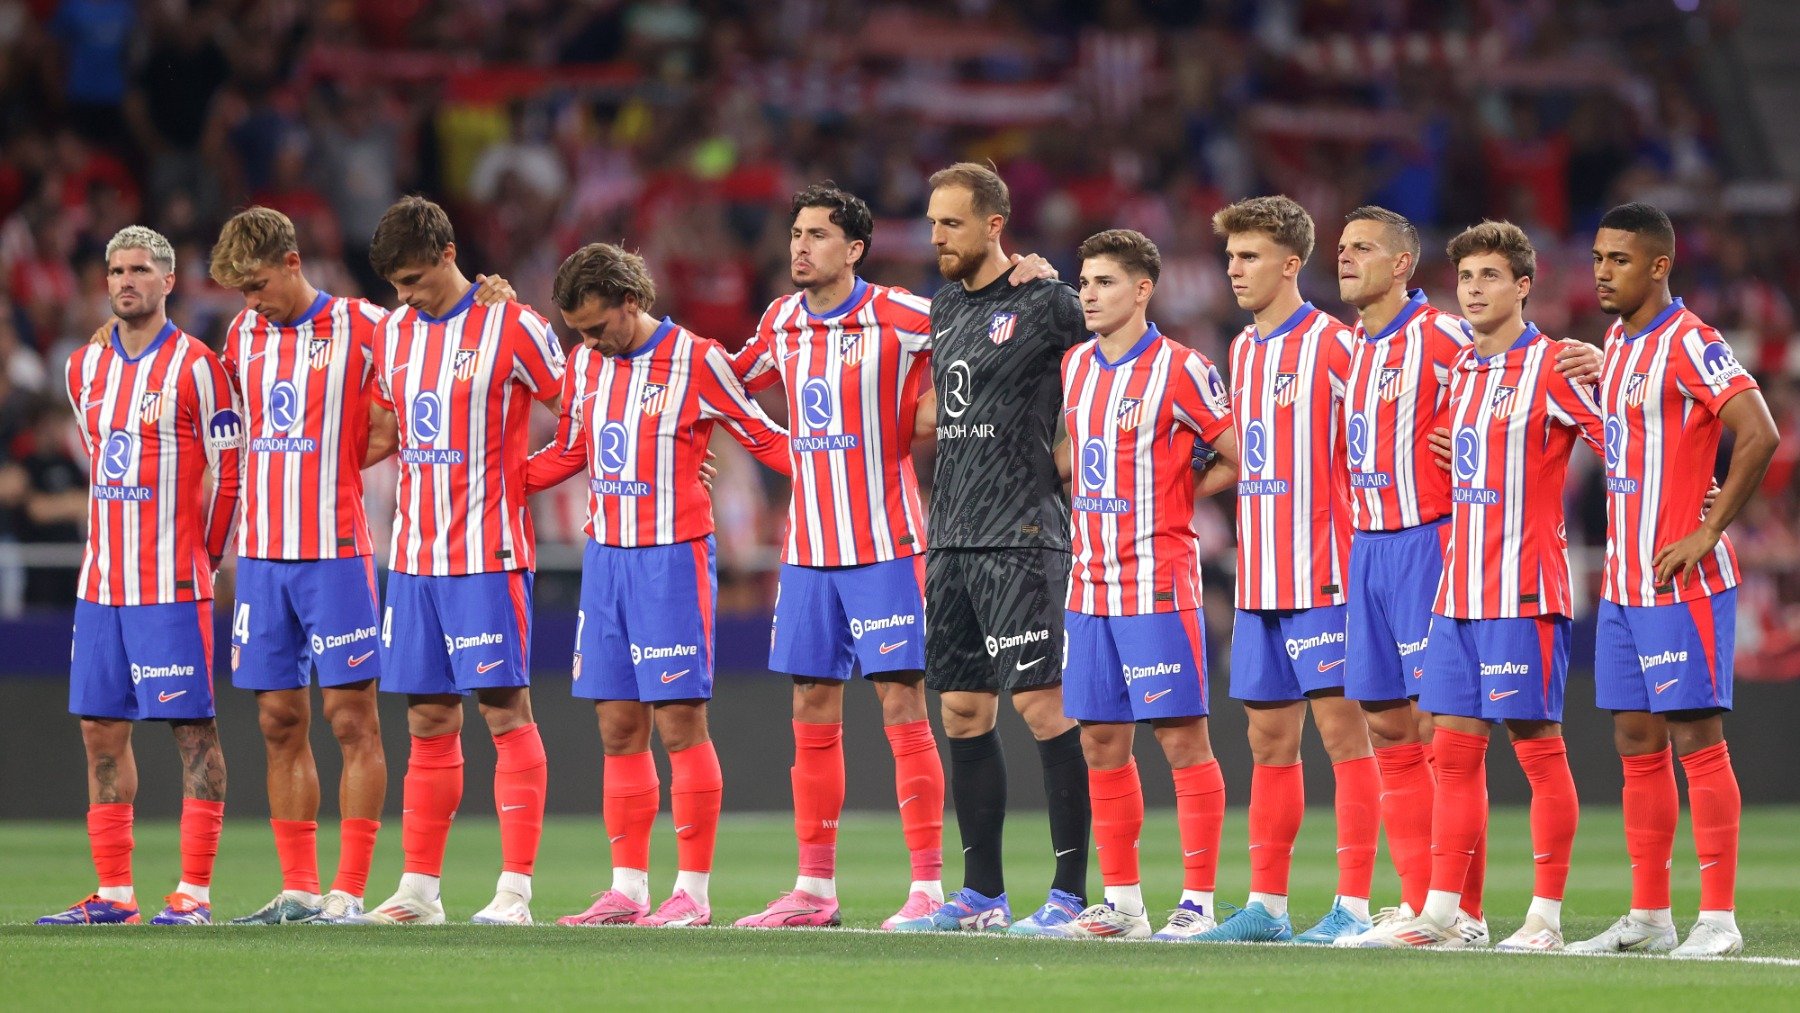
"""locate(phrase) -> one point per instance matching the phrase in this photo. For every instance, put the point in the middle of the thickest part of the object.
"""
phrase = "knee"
(966, 715)
(681, 728)
(1043, 713)
(818, 701)
(1639, 738)
(1392, 726)
(356, 727)
(903, 703)
(284, 726)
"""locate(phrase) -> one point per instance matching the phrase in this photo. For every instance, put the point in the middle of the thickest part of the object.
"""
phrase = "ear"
(1660, 267)
(449, 253)
(1290, 268)
(1403, 265)
(1524, 288)
(291, 260)
(995, 224)
(1145, 289)
(856, 249)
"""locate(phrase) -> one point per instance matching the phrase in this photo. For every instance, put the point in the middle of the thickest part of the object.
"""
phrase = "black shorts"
(994, 618)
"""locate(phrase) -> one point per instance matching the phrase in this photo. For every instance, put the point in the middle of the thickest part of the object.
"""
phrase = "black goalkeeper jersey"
(996, 362)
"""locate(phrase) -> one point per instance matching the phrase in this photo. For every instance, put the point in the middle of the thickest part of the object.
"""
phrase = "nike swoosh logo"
(1022, 666)
(488, 666)
(1495, 696)
(1067, 851)
(1665, 685)
(359, 659)
(1326, 666)
(510, 808)
(968, 849)
(1418, 673)
(907, 800)
(1342, 850)
(1708, 865)
(1253, 847)
(248, 359)
(1190, 854)
(666, 677)
(166, 697)
(1158, 695)
(684, 826)
(94, 403)
(615, 840)
(1538, 857)
(886, 648)
(938, 336)
(397, 370)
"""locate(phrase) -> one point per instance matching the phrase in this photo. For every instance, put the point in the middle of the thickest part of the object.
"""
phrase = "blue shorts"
(1280, 657)
(1134, 668)
(442, 635)
(142, 662)
(1497, 669)
(645, 629)
(1662, 658)
(1393, 583)
(295, 618)
(830, 619)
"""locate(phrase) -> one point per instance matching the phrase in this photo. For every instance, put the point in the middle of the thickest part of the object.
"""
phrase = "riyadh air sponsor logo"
(322, 644)
(284, 406)
(1467, 454)
(1135, 672)
(640, 654)
(141, 672)
(1497, 695)
(1158, 695)
(1495, 669)
(858, 627)
(454, 644)
(1661, 686)
(1649, 661)
(1295, 648)
(995, 646)
(117, 456)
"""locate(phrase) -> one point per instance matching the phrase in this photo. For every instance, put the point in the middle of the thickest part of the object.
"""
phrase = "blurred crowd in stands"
(681, 128)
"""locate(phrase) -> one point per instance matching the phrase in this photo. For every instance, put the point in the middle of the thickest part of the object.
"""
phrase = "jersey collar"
(1479, 361)
(656, 337)
(1305, 310)
(857, 291)
(1150, 335)
(1415, 301)
(312, 312)
(462, 306)
(1662, 318)
(168, 328)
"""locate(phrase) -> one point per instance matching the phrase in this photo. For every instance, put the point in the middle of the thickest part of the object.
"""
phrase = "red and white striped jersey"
(152, 427)
(1293, 508)
(462, 388)
(1513, 420)
(1132, 428)
(1661, 390)
(305, 389)
(1399, 384)
(639, 424)
(854, 375)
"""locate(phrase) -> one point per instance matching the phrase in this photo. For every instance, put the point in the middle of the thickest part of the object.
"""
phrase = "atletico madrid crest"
(150, 408)
(850, 347)
(654, 398)
(1389, 388)
(1287, 387)
(1501, 404)
(1002, 327)
(464, 363)
(1130, 412)
(1635, 387)
(318, 352)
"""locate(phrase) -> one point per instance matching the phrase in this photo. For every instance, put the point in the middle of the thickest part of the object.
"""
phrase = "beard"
(958, 266)
(144, 308)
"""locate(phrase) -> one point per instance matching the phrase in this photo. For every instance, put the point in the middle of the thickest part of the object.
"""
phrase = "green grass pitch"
(45, 867)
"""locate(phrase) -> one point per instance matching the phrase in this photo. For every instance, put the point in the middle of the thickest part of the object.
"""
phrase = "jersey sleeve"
(1068, 326)
(755, 363)
(381, 344)
(1706, 371)
(1200, 402)
(72, 383)
(537, 354)
(1572, 404)
(1444, 341)
(219, 429)
(566, 453)
(910, 318)
(1337, 360)
(364, 326)
(723, 398)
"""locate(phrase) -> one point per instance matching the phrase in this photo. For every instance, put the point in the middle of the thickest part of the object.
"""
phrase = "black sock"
(1071, 816)
(978, 786)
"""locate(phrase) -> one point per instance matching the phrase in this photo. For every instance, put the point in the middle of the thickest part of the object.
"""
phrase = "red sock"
(1118, 800)
(109, 841)
(1459, 809)
(1200, 815)
(1652, 807)
(201, 821)
(1555, 811)
(695, 788)
(520, 775)
(356, 850)
(297, 846)
(429, 796)
(919, 785)
(628, 807)
(1277, 804)
(1358, 824)
(1406, 791)
(818, 795)
(1716, 809)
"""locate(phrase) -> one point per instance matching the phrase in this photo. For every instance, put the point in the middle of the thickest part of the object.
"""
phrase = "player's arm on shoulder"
(1578, 360)
(1222, 473)
(723, 396)
(1754, 439)
(1030, 267)
(493, 290)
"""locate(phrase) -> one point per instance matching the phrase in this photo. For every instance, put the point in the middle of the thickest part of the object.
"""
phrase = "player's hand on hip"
(492, 290)
(1579, 361)
(1440, 446)
(707, 471)
(1676, 559)
(1030, 267)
